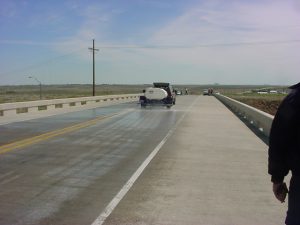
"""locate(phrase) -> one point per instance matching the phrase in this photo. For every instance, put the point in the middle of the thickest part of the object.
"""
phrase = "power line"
(200, 45)
(253, 43)
(42, 63)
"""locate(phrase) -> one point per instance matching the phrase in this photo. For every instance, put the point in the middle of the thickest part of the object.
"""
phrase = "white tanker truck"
(159, 94)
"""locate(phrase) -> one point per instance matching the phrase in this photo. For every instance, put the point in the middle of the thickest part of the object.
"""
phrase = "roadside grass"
(270, 97)
(268, 103)
(21, 93)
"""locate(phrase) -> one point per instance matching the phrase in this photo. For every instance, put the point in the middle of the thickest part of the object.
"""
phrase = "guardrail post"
(11, 112)
(33, 109)
(51, 107)
(66, 105)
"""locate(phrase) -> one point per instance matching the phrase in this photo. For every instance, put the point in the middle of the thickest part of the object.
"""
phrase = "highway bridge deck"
(207, 168)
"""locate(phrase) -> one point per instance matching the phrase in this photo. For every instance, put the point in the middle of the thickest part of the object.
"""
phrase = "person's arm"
(279, 142)
(281, 138)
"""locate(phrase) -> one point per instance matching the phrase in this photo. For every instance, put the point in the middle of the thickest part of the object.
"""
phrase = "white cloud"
(234, 22)
(264, 24)
(214, 33)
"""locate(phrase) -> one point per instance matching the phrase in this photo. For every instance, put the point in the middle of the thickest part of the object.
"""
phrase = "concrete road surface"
(211, 171)
(66, 169)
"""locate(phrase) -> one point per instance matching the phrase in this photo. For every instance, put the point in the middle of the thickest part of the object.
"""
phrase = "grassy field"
(31, 93)
(266, 102)
(244, 93)
(247, 94)
(20, 93)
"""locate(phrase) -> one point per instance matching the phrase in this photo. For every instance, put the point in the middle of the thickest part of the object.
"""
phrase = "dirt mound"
(268, 106)
(264, 104)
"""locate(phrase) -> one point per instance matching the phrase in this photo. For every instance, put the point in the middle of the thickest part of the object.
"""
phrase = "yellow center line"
(29, 141)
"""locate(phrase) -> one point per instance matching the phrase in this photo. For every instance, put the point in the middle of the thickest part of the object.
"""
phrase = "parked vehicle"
(209, 91)
(178, 92)
(205, 92)
(160, 94)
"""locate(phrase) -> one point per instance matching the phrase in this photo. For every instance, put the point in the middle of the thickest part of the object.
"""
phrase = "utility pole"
(40, 83)
(94, 49)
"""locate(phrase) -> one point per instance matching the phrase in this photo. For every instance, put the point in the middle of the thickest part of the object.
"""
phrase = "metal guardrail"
(13, 109)
(261, 120)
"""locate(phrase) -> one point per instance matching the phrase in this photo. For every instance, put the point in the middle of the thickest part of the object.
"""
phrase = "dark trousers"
(293, 213)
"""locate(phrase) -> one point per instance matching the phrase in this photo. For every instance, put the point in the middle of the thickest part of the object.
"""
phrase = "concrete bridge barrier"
(20, 108)
(261, 120)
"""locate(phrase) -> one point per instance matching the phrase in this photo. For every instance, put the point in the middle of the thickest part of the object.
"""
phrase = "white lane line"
(116, 200)
(9, 179)
(6, 174)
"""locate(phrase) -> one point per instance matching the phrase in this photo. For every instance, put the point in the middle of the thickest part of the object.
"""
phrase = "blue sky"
(141, 41)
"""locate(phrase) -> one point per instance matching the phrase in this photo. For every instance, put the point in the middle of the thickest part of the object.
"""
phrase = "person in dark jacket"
(284, 153)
